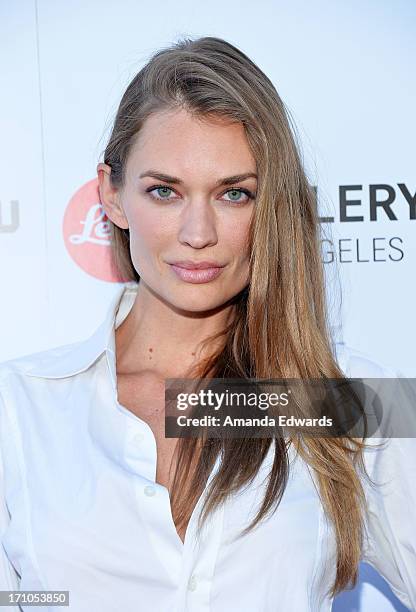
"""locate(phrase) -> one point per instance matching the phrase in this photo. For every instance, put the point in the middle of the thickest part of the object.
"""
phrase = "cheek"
(142, 223)
(149, 236)
(236, 240)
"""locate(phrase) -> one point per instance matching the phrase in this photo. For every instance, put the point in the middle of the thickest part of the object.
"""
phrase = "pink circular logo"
(86, 230)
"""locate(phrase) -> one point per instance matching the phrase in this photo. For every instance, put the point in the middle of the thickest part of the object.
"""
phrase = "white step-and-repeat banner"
(344, 69)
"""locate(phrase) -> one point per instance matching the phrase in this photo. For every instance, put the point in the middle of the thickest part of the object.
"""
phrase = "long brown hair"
(280, 328)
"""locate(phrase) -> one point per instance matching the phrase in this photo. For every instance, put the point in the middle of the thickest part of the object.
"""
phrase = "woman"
(215, 232)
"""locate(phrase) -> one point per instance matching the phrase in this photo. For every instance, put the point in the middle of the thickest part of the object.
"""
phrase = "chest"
(82, 504)
(144, 397)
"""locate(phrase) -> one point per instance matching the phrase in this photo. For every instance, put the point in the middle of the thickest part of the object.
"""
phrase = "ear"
(110, 197)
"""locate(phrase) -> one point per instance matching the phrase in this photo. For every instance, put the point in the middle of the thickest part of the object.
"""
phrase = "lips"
(205, 272)
(194, 265)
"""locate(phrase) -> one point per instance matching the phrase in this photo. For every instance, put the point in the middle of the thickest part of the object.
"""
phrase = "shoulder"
(31, 362)
(30, 383)
(389, 396)
(37, 387)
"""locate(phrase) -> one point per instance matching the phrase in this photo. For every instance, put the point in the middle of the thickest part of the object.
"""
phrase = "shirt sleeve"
(390, 459)
(9, 579)
(390, 525)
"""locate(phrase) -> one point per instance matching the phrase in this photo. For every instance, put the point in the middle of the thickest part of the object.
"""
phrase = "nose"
(198, 224)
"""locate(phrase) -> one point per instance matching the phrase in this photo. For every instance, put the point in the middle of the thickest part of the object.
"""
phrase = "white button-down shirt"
(80, 508)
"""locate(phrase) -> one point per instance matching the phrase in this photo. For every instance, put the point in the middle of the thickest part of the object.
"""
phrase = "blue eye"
(159, 188)
(164, 190)
(248, 193)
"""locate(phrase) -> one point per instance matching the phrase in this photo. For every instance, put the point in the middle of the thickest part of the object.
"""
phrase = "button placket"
(200, 554)
(193, 583)
(150, 490)
(140, 450)
(154, 510)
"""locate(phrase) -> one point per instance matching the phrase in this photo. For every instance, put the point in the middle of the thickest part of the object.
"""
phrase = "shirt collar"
(71, 359)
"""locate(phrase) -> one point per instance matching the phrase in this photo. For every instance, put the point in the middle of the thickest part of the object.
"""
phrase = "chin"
(197, 303)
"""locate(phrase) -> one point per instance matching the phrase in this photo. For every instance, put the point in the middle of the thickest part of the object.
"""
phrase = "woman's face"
(189, 213)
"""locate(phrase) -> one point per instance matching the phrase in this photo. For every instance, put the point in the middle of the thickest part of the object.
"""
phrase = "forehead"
(176, 141)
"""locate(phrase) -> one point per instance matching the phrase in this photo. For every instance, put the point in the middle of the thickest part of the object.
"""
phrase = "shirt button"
(149, 490)
(193, 583)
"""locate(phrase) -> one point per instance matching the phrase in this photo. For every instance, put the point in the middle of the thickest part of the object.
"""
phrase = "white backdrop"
(344, 69)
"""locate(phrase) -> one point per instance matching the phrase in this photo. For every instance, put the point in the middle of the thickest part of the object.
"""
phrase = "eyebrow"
(229, 180)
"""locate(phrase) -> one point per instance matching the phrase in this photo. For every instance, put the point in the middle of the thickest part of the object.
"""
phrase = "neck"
(160, 338)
